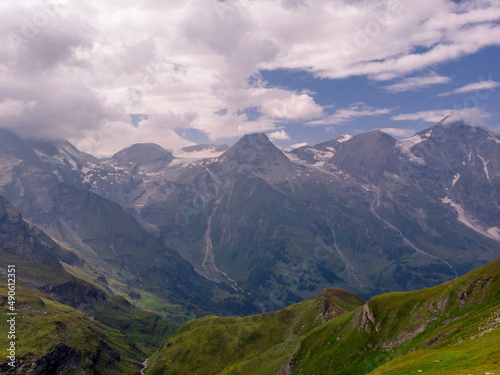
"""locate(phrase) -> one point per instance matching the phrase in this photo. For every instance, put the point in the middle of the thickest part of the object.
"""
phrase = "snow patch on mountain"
(189, 157)
(405, 145)
(343, 138)
(485, 165)
(496, 140)
(446, 200)
(73, 164)
(320, 156)
(455, 179)
(293, 158)
(470, 222)
(494, 232)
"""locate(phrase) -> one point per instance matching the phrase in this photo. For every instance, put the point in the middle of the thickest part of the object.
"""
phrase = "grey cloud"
(293, 4)
(138, 55)
(172, 59)
(62, 110)
(39, 39)
(48, 49)
(217, 25)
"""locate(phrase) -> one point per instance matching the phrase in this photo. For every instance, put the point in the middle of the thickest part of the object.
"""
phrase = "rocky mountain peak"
(256, 149)
(457, 129)
(13, 146)
(54, 152)
(378, 154)
(143, 153)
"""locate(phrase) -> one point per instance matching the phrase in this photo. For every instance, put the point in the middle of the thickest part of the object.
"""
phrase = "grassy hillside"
(145, 328)
(72, 326)
(391, 326)
(451, 328)
(55, 338)
(256, 344)
(66, 324)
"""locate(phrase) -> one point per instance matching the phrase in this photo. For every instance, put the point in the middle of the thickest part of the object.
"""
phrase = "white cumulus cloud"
(355, 110)
(280, 135)
(470, 115)
(473, 87)
(90, 65)
(398, 132)
(416, 83)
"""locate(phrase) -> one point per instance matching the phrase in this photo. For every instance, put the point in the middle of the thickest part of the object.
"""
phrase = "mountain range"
(367, 213)
(157, 237)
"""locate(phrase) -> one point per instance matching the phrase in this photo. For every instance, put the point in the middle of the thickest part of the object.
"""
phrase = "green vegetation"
(54, 337)
(450, 328)
(251, 345)
(138, 295)
(144, 328)
(477, 356)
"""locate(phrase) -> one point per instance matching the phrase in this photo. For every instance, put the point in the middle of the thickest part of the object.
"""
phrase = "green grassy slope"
(478, 356)
(66, 324)
(395, 325)
(256, 344)
(450, 328)
(54, 338)
(145, 328)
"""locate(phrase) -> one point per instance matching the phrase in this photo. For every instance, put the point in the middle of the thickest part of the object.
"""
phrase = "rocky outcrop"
(367, 319)
(77, 294)
(434, 339)
(287, 368)
(60, 360)
(328, 309)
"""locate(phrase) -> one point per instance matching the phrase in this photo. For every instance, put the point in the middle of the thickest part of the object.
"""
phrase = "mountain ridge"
(369, 213)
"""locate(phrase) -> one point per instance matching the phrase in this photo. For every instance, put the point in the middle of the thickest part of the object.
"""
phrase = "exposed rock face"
(25, 240)
(60, 360)
(367, 319)
(367, 156)
(77, 295)
(434, 339)
(287, 368)
(63, 359)
(328, 310)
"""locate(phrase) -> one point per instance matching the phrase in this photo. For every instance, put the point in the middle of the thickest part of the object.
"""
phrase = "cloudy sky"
(107, 74)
